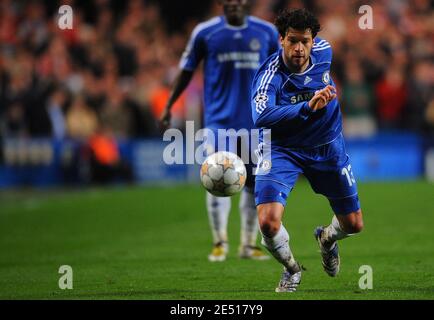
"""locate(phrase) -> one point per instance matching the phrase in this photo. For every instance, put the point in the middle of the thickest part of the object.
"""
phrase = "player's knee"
(269, 228)
(354, 228)
(269, 222)
(354, 223)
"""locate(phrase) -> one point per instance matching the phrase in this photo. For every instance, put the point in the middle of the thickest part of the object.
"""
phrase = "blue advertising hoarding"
(42, 162)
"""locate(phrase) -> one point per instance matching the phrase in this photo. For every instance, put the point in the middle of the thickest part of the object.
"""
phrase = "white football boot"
(289, 281)
(330, 257)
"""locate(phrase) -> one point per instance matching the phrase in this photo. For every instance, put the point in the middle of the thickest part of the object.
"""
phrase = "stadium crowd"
(110, 74)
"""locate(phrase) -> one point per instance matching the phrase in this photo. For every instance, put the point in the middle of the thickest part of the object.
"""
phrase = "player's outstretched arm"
(276, 115)
(181, 82)
(267, 114)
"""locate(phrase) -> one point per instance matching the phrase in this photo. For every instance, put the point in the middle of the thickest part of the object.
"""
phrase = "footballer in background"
(232, 47)
(294, 96)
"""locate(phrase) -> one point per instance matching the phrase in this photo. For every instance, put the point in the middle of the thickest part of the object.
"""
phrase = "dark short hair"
(298, 19)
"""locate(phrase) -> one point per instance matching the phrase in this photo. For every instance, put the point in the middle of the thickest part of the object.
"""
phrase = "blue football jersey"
(231, 57)
(280, 100)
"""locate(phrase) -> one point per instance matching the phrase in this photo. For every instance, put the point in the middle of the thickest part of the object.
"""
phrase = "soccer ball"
(223, 174)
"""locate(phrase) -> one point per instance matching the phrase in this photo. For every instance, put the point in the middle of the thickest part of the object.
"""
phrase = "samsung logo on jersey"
(301, 97)
(238, 56)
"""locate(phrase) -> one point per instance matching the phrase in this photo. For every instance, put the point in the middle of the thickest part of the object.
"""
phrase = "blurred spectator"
(391, 94)
(429, 116)
(56, 114)
(33, 28)
(421, 86)
(116, 115)
(93, 91)
(357, 102)
(121, 55)
(81, 120)
(106, 164)
(14, 123)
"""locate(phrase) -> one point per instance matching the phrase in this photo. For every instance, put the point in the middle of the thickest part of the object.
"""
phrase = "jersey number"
(349, 174)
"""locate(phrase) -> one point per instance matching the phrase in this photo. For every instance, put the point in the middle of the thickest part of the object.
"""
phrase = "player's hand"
(322, 98)
(165, 119)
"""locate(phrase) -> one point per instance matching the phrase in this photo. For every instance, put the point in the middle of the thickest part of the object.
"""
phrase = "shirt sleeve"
(194, 52)
(265, 111)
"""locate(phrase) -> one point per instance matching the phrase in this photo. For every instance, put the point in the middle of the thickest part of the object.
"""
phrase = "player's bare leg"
(218, 212)
(342, 226)
(249, 228)
(276, 239)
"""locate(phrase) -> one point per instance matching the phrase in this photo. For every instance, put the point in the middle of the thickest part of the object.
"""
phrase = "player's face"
(296, 47)
(234, 9)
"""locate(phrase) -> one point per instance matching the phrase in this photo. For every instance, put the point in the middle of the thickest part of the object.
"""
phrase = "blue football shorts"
(327, 168)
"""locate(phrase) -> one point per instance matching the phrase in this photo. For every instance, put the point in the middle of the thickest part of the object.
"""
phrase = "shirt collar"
(241, 27)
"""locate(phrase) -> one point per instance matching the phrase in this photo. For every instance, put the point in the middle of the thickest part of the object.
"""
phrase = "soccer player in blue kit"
(232, 46)
(294, 96)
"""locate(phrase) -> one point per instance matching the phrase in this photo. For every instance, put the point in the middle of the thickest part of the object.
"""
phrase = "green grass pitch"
(152, 243)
